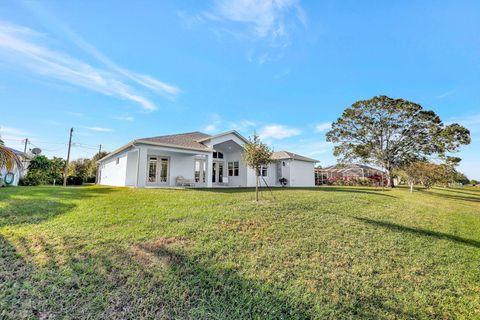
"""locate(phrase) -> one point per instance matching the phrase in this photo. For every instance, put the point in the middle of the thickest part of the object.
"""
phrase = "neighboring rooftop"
(281, 155)
(346, 167)
(186, 140)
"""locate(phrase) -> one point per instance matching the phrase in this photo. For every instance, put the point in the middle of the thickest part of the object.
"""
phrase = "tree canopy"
(393, 133)
(256, 154)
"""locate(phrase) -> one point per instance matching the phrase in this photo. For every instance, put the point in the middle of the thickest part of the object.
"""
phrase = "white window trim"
(233, 168)
(168, 169)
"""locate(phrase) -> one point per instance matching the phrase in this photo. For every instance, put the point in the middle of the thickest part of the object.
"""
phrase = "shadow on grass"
(215, 293)
(452, 194)
(370, 191)
(420, 232)
(31, 205)
(115, 286)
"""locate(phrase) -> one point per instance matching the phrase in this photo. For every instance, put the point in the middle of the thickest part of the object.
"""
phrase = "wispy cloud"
(242, 126)
(99, 129)
(471, 122)
(210, 128)
(76, 114)
(446, 94)
(125, 118)
(11, 133)
(263, 18)
(30, 50)
(269, 24)
(320, 127)
(278, 131)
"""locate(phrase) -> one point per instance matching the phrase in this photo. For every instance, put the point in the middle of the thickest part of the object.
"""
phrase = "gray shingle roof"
(280, 155)
(185, 140)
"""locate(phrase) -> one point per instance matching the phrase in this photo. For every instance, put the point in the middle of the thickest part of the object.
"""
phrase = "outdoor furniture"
(181, 181)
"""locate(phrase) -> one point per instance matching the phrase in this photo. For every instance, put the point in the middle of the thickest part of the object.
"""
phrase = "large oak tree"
(392, 133)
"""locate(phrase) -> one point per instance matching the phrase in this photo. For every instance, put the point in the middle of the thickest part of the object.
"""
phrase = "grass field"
(333, 252)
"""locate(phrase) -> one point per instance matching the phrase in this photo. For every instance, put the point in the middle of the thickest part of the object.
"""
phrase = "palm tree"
(8, 158)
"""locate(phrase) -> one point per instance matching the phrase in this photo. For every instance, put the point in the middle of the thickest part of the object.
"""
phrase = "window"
(217, 155)
(283, 163)
(233, 168)
(164, 170)
(200, 170)
(117, 161)
(152, 169)
(262, 171)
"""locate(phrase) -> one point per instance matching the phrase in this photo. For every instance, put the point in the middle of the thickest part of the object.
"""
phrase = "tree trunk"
(256, 188)
(391, 184)
(411, 186)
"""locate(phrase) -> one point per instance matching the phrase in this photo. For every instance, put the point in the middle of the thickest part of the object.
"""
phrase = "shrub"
(75, 180)
(31, 179)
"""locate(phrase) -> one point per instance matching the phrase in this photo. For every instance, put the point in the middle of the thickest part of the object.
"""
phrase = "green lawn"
(333, 252)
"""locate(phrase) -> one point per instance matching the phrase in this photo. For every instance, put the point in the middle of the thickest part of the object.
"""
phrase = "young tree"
(422, 172)
(393, 133)
(256, 154)
(57, 166)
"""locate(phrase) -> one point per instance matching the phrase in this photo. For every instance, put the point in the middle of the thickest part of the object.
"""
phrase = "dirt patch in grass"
(158, 251)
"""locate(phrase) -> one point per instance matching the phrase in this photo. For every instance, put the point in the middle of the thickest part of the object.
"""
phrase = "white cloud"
(99, 129)
(12, 131)
(28, 49)
(320, 127)
(267, 26)
(242, 125)
(446, 94)
(125, 118)
(264, 18)
(210, 128)
(278, 131)
(77, 114)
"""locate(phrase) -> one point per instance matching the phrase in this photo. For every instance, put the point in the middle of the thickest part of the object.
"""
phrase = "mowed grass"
(330, 252)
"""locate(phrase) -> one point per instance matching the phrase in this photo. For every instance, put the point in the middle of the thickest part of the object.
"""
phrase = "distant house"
(13, 177)
(344, 171)
(199, 160)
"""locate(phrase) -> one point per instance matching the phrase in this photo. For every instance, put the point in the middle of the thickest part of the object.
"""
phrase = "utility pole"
(25, 148)
(24, 162)
(65, 171)
(99, 148)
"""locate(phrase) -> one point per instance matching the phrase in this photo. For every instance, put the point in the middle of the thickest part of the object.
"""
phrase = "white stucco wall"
(131, 168)
(16, 174)
(241, 180)
(113, 174)
(302, 174)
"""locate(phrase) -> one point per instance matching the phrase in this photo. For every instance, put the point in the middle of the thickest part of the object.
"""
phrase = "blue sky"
(118, 70)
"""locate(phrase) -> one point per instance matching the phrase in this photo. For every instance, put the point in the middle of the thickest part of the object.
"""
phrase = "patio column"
(209, 170)
(142, 167)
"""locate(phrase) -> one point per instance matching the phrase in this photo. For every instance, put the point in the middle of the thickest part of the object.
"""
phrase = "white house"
(200, 160)
(12, 177)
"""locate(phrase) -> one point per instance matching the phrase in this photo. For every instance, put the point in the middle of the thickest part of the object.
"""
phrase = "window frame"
(233, 168)
(262, 171)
